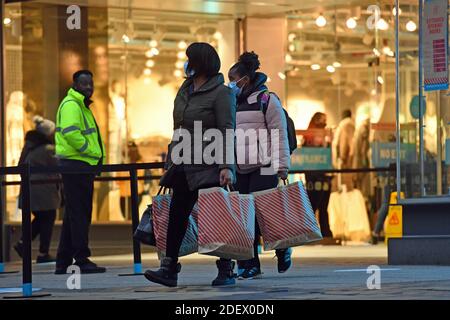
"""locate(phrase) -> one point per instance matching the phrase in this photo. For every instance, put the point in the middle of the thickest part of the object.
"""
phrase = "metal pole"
(421, 134)
(397, 98)
(2, 135)
(135, 220)
(439, 144)
(27, 286)
(2, 242)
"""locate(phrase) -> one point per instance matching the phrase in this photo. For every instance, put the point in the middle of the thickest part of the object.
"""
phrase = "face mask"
(188, 74)
(235, 88)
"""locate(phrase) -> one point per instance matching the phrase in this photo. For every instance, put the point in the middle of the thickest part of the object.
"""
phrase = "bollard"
(135, 223)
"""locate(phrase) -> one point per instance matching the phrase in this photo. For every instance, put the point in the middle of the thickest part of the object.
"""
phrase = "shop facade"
(333, 58)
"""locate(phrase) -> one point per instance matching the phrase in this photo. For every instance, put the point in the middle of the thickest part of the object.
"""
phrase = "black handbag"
(145, 232)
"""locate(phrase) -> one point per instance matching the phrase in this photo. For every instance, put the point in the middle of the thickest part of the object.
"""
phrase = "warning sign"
(394, 224)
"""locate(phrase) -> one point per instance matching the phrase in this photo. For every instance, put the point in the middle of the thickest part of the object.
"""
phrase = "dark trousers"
(246, 184)
(42, 226)
(74, 241)
(183, 200)
(319, 191)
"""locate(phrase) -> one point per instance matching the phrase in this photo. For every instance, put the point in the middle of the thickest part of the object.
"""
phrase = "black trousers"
(319, 191)
(183, 200)
(74, 241)
(246, 184)
(42, 226)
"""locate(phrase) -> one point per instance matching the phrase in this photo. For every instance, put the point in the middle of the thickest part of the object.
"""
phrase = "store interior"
(320, 56)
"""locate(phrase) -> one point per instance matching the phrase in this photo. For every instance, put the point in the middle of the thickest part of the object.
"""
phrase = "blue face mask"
(188, 74)
(235, 88)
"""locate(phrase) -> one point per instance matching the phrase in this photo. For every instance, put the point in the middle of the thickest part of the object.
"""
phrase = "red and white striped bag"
(160, 208)
(285, 217)
(226, 224)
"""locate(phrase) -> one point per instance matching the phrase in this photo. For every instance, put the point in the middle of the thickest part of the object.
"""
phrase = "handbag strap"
(162, 190)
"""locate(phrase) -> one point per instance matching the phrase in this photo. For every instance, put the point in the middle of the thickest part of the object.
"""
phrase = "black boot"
(167, 274)
(226, 274)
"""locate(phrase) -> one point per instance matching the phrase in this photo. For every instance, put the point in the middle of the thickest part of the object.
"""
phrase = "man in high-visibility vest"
(78, 145)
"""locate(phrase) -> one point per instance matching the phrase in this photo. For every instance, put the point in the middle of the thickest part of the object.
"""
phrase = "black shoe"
(45, 259)
(226, 276)
(61, 269)
(167, 275)
(374, 238)
(19, 248)
(251, 273)
(284, 259)
(87, 266)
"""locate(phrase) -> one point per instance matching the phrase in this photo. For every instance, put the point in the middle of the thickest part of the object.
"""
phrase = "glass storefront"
(331, 59)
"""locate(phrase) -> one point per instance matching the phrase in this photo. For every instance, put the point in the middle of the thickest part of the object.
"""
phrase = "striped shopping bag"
(285, 217)
(226, 224)
(161, 207)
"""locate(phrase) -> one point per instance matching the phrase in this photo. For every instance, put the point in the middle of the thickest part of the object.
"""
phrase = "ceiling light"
(321, 21)
(217, 35)
(337, 64)
(373, 92)
(291, 47)
(394, 11)
(147, 80)
(149, 53)
(269, 80)
(7, 21)
(182, 45)
(411, 26)
(288, 58)
(382, 25)
(331, 69)
(291, 37)
(300, 25)
(282, 75)
(179, 64)
(380, 80)
(315, 66)
(150, 63)
(147, 71)
(181, 55)
(177, 73)
(376, 52)
(155, 51)
(153, 43)
(125, 38)
(351, 23)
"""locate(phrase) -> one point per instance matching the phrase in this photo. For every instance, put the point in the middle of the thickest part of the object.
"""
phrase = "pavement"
(318, 272)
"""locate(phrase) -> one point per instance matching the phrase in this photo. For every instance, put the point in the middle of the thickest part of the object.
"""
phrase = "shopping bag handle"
(163, 190)
(285, 182)
(229, 188)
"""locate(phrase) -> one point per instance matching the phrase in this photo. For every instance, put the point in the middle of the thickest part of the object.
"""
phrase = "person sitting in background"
(45, 199)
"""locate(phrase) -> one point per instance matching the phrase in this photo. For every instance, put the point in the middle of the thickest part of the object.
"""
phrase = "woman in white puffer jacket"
(262, 146)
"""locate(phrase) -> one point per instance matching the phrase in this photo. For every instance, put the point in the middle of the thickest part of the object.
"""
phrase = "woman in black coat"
(45, 199)
(204, 100)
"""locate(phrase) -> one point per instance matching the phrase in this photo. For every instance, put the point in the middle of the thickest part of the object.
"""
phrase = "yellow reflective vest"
(77, 135)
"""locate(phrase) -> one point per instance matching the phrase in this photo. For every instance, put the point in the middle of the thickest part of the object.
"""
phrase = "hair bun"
(250, 61)
(37, 120)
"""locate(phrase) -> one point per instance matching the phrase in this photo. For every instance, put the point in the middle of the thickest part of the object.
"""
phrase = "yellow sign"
(393, 227)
